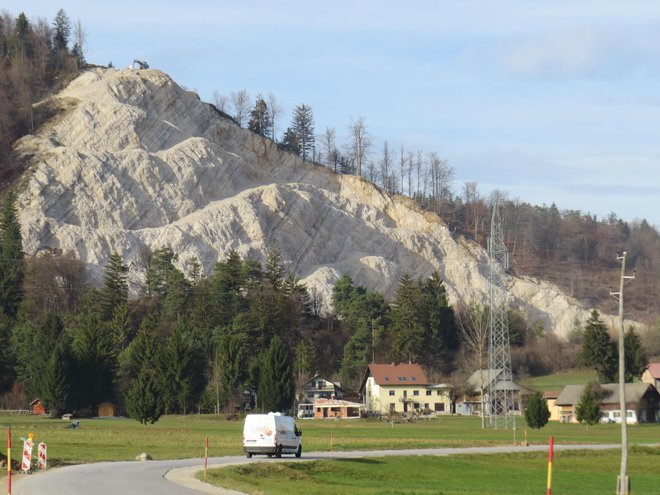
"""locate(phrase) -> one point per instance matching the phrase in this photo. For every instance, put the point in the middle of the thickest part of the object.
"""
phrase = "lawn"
(178, 437)
(577, 472)
(557, 381)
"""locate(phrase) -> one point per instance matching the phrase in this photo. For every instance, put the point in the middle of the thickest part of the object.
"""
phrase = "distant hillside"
(134, 161)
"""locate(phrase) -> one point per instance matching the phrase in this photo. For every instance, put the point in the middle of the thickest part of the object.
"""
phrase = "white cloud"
(588, 51)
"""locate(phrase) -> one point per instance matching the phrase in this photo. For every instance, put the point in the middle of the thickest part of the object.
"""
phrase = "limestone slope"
(134, 160)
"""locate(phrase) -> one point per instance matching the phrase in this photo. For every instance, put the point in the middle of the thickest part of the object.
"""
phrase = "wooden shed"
(107, 409)
(37, 407)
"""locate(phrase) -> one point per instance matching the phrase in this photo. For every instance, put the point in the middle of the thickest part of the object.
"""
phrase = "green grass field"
(557, 381)
(177, 437)
(592, 473)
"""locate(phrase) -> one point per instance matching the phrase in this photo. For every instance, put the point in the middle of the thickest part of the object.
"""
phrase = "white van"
(271, 434)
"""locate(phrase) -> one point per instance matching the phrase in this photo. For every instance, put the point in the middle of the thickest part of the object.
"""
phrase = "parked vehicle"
(272, 434)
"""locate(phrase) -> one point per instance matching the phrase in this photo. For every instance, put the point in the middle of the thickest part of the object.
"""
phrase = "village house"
(316, 388)
(337, 408)
(550, 397)
(402, 389)
(480, 381)
(652, 375)
(642, 403)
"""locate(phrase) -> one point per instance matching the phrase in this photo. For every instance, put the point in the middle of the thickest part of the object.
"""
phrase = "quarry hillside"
(131, 159)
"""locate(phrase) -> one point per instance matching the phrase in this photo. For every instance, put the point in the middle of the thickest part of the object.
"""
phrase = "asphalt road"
(176, 477)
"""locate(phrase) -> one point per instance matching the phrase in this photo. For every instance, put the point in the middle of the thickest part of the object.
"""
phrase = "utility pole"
(622, 481)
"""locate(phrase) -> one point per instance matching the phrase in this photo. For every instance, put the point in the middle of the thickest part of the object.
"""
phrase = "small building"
(480, 381)
(642, 403)
(321, 388)
(402, 389)
(337, 408)
(106, 409)
(550, 397)
(652, 375)
(37, 407)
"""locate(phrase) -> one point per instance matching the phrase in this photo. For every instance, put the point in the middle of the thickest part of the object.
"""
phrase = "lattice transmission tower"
(501, 389)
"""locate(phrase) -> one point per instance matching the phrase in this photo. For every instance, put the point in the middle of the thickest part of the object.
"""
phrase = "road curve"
(176, 477)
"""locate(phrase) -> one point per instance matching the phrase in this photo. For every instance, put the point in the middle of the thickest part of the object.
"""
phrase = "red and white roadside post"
(26, 463)
(42, 459)
(206, 456)
(550, 451)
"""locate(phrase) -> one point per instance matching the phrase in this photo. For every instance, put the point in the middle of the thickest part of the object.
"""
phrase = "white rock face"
(136, 160)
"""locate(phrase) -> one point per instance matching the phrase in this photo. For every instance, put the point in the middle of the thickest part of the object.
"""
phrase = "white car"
(271, 434)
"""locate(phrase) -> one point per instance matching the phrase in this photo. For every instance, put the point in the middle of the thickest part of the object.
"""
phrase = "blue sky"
(548, 100)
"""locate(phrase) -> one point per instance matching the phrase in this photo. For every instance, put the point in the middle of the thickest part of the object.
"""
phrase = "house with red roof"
(402, 389)
(652, 375)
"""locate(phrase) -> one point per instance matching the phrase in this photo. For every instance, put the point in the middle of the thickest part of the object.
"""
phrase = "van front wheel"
(299, 451)
(248, 455)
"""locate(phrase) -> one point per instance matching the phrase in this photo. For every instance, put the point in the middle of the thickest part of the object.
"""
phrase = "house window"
(405, 393)
(416, 406)
(392, 407)
(392, 393)
(437, 392)
(429, 392)
(439, 407)
(415, 392)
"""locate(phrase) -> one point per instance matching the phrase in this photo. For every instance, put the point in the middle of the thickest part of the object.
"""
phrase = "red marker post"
(8, 461)
(552, 443)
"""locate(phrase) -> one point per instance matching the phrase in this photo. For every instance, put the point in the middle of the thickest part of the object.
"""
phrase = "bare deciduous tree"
(275, 111)
(386, 168)
(220, 101)
(330, 147)
(360, 144)
(472, 323)
(240, 102)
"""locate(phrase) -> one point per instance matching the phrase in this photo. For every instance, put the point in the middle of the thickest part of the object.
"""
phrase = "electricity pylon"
(501, 388)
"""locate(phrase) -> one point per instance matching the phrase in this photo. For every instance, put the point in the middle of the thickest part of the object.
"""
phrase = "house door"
(405, 407)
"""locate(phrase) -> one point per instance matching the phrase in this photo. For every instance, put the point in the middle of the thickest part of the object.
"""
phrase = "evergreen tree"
(260, 119)
(537, 412)
(291, 141)
(56, 379)
(276, 385)
(12, 268)
(588, 409)
(636, 358)
(95, 360)
(302, 125)
(182, 370)
(7, 373)
(115, 285)
(230, 367)
(441, 331)
(598, 350)
(408, 333)
(143, 399)
(62, 34)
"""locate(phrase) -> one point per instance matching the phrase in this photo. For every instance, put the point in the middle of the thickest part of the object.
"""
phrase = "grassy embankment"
(557, 381)
(594, 473)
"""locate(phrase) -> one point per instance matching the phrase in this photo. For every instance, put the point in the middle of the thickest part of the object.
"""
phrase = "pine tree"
(276, 385)
(537, 412)
(143, 399)
(260, 119)
(291, 141)
(636, 358)
(302, 125)
(598, 350)
(230, 366)
(115, 285)
(588, 409)
(12, 270)
(407, 330)
(56, 379)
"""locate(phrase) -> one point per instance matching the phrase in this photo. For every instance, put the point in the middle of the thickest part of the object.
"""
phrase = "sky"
(547, 100)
